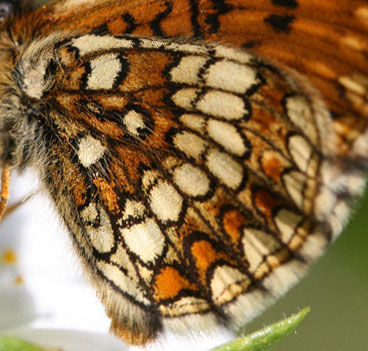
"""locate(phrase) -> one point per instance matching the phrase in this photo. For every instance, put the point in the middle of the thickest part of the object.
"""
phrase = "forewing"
(325, 41)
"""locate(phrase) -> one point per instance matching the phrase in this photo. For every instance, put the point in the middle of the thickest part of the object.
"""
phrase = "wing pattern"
(197, 180)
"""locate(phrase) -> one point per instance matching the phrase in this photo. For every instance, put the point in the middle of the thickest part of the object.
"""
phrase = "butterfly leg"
(5, 189)
(11, 208)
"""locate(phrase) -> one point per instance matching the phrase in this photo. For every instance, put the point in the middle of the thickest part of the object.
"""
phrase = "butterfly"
(201, 153)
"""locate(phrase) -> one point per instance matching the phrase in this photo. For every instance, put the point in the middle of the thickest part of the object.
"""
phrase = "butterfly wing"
(197, 181)
(325, 41)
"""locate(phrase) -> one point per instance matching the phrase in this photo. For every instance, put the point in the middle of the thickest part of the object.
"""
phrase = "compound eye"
(6, 9)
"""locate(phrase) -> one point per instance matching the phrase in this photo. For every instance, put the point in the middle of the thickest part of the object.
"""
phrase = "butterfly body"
(197, 180)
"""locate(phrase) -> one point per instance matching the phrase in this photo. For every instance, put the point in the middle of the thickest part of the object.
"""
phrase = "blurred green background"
(336, 289)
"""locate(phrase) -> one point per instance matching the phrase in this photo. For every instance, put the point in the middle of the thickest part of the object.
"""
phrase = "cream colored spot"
(98, 227)
(300, 151)
(294, 182)
(149, 177)
(104, 70)
(123, 282)
(191, 180)
(230, 76)
(170, 162)
(227, 283)
(193, 121)
(263, 242)
(300, 113)
(231, 54)
(287, 222)
(187, 71)
(185, 305)
(225, 168)
(226, 135)
(145, 273)
(133, 121)
(145, 240)
(222, 105)
(121, 258)
(185, 97)
(172, 254)
(252, 255)
(91, 43)
(133, 209)
(90, 151)
(191, 144)
(257, 244)
(165, 202)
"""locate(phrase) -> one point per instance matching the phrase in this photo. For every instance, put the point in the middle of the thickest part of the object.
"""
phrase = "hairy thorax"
(24, 79)
(13, 111)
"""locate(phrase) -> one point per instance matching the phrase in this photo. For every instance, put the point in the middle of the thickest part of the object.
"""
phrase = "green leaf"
(263, 339)
(8, 343)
